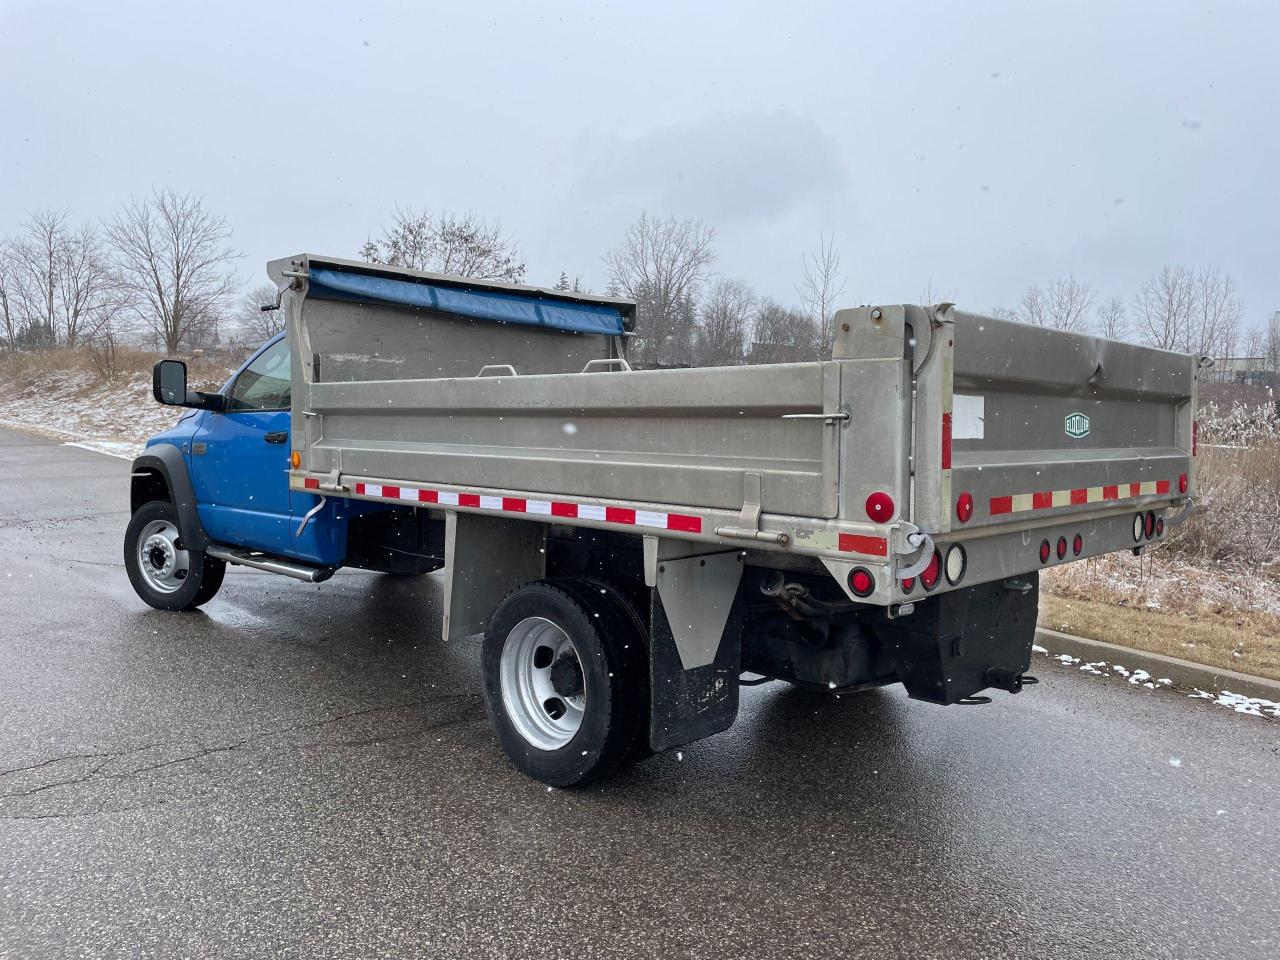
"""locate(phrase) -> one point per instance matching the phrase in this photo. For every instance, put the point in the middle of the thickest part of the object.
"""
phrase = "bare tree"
(173, 263)
(443, 242)
(87, 292)
(822, 285)
(781, 335)
(38, 253)
(1062, 305)
(1195, 312)
(10, 323)
(1215, 314)
(661, 264)
(722, 327)
(1112, 322)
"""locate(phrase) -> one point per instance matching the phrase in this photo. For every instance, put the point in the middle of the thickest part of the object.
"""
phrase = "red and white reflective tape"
(548, 508)
(1048, 499)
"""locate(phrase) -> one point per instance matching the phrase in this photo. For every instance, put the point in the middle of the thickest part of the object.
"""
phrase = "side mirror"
(169, 383)
(169, 386)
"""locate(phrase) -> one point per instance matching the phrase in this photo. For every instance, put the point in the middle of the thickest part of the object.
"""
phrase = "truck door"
(240, 456)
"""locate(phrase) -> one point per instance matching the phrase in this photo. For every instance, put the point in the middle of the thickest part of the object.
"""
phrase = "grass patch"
(1243, 641)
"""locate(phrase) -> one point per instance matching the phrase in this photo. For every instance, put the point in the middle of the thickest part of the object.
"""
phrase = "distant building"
(1251, 371)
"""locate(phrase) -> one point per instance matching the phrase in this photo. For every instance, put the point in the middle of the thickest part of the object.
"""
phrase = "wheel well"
(147, 485)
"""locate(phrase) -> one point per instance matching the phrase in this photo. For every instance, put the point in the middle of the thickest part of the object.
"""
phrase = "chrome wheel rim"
(164, 565)
(543, 688)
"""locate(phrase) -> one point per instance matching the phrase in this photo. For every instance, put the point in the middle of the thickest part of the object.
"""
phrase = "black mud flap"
(959, 643)
(687, 705)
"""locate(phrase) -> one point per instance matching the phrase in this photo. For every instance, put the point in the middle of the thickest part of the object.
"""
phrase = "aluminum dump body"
(416, 388)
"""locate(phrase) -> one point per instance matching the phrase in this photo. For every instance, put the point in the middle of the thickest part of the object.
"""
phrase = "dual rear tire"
(566, 682)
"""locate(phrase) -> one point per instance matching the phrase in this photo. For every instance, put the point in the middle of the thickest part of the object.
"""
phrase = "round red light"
(929, 578)
(1062, 547)
(880, 507)
(1160, 526)
(1182, 483)
(1077, 544)
(1045, 551)
(908, 583)
(1151, 523)
(964, 507)
(861, 582)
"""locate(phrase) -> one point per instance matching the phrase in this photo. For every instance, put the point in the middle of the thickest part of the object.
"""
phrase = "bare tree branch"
(464, 245)
(173, 263)
(822, 285)
(662, 264)
(724, 321)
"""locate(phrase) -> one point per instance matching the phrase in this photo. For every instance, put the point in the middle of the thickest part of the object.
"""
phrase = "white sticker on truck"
(968, 412)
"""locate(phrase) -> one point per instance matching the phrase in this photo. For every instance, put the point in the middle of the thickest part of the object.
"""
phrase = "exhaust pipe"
(265, 561)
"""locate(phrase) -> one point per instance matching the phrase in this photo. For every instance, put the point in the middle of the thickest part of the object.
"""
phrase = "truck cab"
(229, 458)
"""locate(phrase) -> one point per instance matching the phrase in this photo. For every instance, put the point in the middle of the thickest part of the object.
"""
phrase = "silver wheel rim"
(164, 566)
(545, 716)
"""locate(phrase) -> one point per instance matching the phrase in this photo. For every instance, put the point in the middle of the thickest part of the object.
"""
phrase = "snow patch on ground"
(114, 418)
(1252, 706)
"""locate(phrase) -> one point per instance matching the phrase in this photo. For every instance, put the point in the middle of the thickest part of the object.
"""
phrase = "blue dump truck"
(634, 545)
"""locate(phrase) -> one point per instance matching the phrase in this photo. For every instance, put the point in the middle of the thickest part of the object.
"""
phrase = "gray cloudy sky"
(978, 147)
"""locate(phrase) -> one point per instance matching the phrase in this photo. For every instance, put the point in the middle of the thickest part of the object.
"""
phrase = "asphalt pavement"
(306, 771)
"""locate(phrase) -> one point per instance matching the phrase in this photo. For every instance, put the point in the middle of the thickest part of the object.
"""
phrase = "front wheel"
(565, 680)
(164, 573)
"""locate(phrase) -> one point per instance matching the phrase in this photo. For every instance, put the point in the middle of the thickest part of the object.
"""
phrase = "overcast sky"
(974, 147)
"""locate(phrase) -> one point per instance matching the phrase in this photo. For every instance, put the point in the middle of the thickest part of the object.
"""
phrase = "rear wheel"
(164, 572)
(566, 680)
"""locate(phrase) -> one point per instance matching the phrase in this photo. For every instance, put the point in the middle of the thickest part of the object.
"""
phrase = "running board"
(271, 564)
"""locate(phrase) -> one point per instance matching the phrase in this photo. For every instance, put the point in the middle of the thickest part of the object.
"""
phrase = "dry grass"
(1246, 641)
(21, 371)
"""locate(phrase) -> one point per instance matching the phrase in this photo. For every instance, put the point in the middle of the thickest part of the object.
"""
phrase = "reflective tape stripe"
(1047, 499)
(626, 516)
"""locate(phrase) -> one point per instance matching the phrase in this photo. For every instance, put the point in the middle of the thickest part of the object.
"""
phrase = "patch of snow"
(1250, 706)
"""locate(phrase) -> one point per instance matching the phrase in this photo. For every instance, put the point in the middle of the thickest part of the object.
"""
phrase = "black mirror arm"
(205, 401)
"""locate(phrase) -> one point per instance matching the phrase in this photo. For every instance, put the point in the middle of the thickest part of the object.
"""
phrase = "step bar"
(271, 564)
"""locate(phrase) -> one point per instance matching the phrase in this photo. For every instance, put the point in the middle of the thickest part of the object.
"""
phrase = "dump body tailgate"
(1046, 423)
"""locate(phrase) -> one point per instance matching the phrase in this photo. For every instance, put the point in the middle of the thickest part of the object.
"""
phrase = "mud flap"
(964, 641)
(694, 669)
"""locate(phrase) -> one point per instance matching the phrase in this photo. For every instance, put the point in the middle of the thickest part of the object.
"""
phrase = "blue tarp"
(529, 309)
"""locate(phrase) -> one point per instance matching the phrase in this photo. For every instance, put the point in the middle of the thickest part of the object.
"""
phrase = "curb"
(1182, 672)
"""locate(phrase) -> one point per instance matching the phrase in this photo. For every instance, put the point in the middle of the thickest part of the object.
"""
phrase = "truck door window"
(264, 384)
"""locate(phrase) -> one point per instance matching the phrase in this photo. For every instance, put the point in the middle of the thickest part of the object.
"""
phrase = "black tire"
(204, 574)
(614, 671)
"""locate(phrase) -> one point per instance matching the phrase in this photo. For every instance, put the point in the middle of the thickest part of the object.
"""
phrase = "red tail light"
(879, 507)
(908, 584)
(1150, 524)
(1182, 483)
(861, 582)
(964, 507)
(1045, 551)
(1062, 547)
(930, 576)
(1077, 545)
(1159, 526)
(946, 441)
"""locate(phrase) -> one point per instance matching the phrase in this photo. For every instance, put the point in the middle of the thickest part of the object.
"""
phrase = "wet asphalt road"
(305, 771)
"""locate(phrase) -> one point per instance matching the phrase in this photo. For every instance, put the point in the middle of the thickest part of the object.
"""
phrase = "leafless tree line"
(1192, 311)
(688, 316)
(160, 267)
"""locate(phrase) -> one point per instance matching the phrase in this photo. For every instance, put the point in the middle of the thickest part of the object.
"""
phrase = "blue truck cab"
(214, 487)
